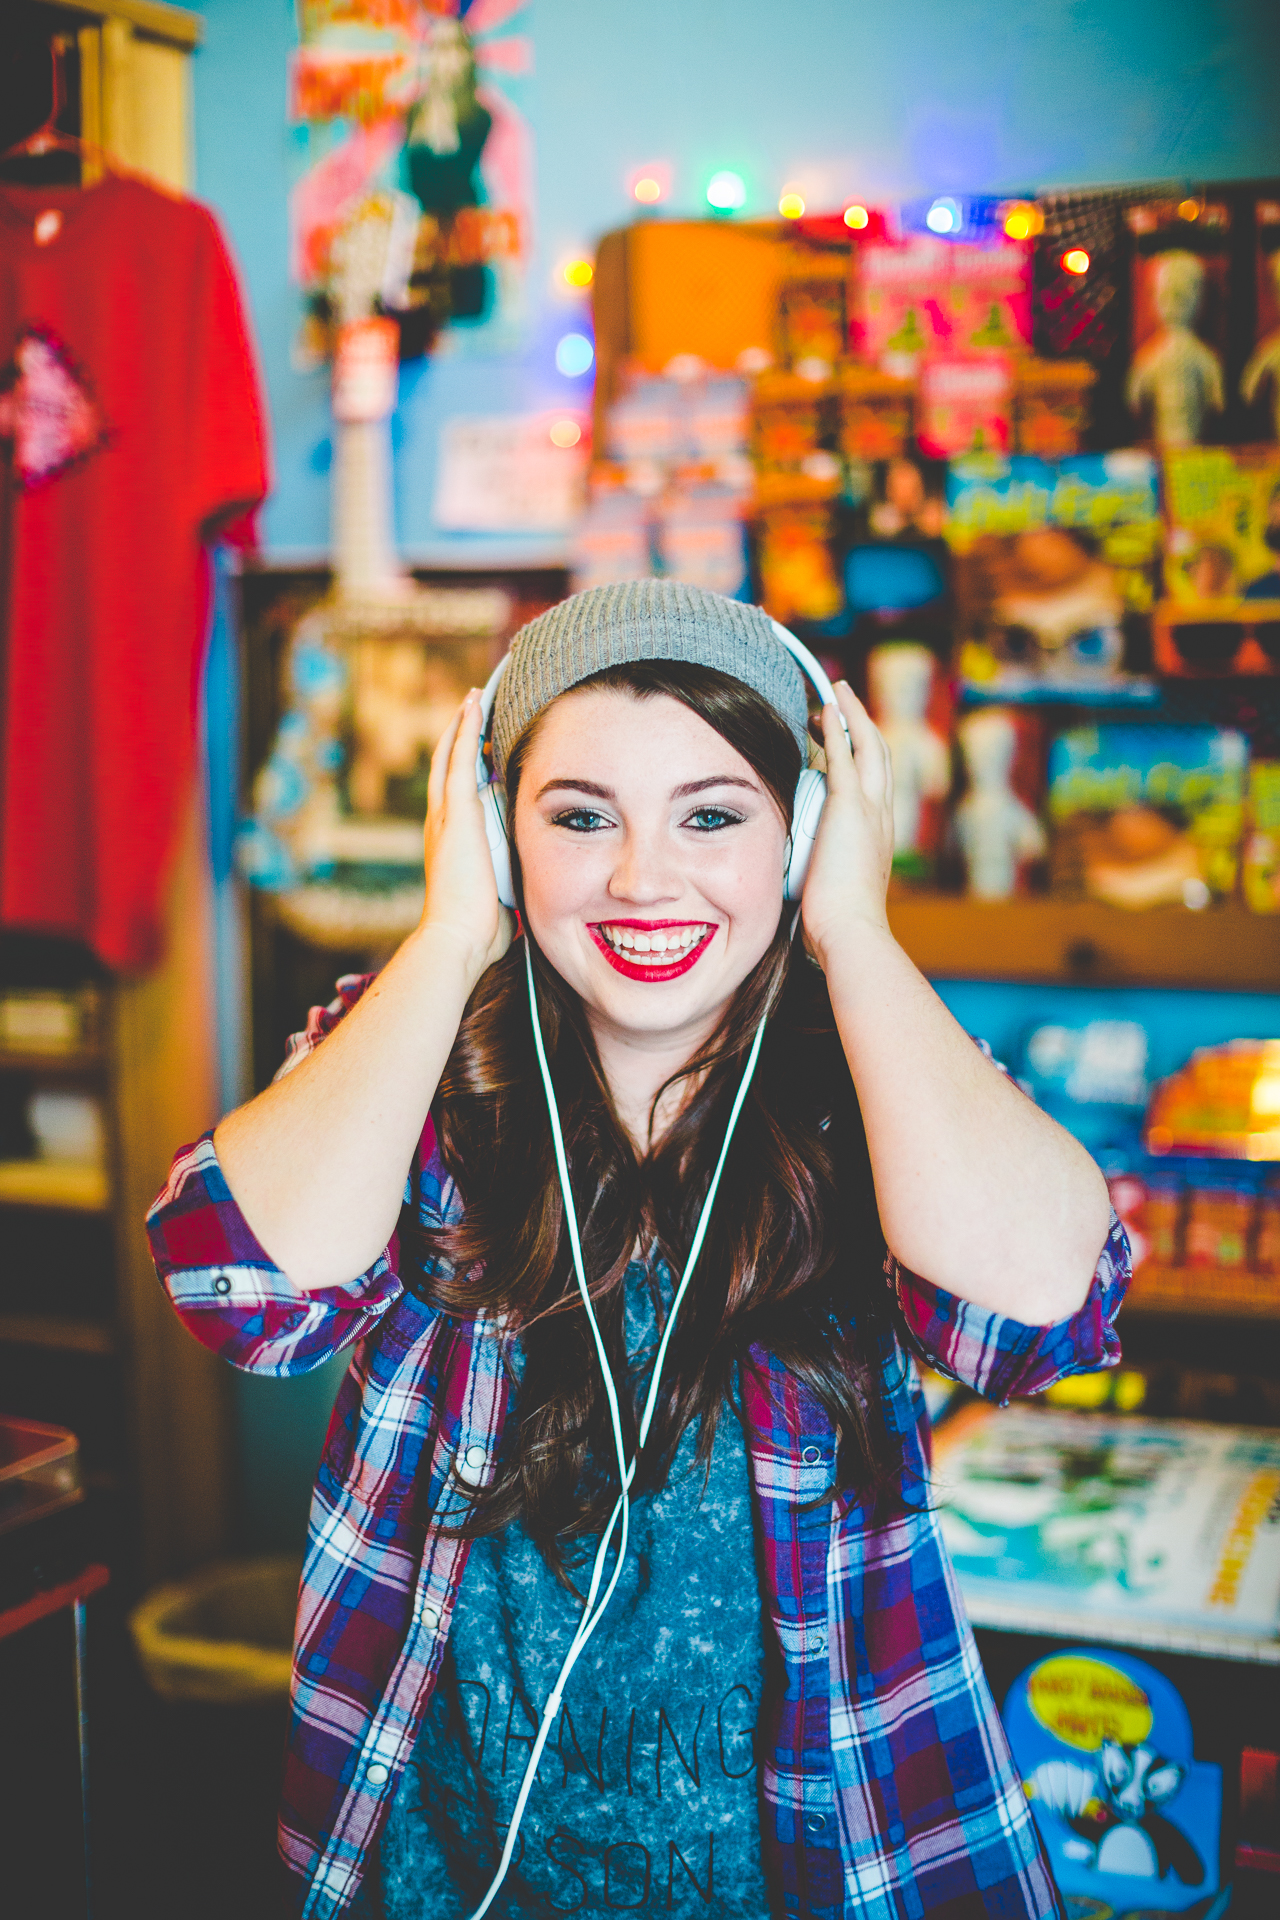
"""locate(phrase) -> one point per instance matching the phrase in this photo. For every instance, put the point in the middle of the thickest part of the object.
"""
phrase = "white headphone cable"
(593, 1614)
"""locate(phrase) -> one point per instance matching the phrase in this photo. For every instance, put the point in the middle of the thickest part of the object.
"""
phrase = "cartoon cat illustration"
(1114, 1809)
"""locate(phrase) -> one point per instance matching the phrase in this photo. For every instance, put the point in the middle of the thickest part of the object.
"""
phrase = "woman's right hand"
(462, 894)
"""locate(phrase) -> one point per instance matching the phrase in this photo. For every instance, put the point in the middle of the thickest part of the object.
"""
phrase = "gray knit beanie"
(643, 620)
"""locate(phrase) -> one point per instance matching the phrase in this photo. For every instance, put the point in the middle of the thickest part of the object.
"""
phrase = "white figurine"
(1264, 362)
(995, 830)
(899, 679)
(1174, 372)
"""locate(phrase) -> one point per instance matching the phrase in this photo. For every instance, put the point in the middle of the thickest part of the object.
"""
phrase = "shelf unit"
(87, 1337)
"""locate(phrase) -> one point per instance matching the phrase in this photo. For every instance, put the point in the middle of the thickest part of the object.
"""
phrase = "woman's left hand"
(853, 853)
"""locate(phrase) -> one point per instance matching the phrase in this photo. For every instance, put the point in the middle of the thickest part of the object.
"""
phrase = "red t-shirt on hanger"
(131, 413)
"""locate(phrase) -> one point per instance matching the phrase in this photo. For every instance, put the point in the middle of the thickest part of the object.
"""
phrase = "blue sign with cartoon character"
(1130, 1820)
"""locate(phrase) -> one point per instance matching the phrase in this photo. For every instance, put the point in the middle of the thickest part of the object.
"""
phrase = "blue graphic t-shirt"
(646, 1798)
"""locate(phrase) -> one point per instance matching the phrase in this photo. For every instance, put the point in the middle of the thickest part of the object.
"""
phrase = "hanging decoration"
(419, 98)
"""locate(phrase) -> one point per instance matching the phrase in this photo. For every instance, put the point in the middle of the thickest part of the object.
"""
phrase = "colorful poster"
(1151, 1532)
(420, 101)
(1131, 1821)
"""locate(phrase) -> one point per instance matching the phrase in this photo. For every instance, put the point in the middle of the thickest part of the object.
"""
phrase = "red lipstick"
(631, 970)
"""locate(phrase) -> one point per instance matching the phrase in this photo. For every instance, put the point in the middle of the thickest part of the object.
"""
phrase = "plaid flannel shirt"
(888, 1784)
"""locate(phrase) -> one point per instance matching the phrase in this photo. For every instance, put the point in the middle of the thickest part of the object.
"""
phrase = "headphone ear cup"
(811, 794)
(493, 801)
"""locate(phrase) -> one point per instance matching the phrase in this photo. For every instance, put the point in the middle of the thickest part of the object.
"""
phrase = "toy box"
(875, 414)
(926, 296)
(1051, 406)
(1130, 1819)
(1056, 566)
(965, 404)
(813, 325)
(798, 577)
(1222, 561)
(1147, 816)
(1260, 859)
(789, 421)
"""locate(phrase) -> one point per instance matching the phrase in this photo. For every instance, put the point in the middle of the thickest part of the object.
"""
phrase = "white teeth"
(679, 941)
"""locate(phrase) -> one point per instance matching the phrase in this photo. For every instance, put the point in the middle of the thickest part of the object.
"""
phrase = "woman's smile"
(652, 949)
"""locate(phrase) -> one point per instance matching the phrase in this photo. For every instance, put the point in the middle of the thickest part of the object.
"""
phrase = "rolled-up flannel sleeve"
(227, 1292)
(223, 1284)
(998, 1356)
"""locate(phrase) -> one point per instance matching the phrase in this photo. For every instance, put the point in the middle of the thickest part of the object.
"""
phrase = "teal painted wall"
(845, 96)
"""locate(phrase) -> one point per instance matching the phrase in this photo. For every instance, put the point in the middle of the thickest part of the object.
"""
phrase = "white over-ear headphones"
(806, 811)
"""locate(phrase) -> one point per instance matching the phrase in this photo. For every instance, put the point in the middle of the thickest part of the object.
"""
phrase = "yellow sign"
(1085, 1702)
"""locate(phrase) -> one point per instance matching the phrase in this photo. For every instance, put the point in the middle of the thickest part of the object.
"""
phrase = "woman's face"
(652, 855)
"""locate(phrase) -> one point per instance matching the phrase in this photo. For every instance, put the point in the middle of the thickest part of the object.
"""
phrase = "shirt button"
(474, 1457)
(431, 1616)
(814, 1822)
(819, 1643)
(222, 1284)
(811, 1456)
(376, 1774)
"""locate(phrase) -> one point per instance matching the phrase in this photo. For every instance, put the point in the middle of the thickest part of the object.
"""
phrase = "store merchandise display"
(1149, 1533)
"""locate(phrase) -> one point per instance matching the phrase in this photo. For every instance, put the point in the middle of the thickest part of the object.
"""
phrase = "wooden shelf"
(64, 1184)
(49, 1330)
(1084, 943)
(1203, 1293)
(76, 1063)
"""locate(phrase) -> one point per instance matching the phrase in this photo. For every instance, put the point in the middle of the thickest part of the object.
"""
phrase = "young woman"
(782, 1710)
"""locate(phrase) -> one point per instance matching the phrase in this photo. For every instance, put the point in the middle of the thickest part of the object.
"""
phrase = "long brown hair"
(792, 1259)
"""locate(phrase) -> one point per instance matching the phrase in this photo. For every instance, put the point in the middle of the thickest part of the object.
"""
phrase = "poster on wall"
(418, 106)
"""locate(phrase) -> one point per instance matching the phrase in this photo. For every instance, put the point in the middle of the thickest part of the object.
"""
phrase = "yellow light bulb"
(1076, 260)
(579, 273)
(1189, 209)
(791, 206)
(856, 216)
(647, 189)
(1022, 220)
(565, 433)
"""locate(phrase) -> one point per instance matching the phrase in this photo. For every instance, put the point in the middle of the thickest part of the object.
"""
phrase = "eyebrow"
(682, 792)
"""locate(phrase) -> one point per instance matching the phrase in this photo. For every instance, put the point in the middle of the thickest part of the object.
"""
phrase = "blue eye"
(580, 820)
(712, 819)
